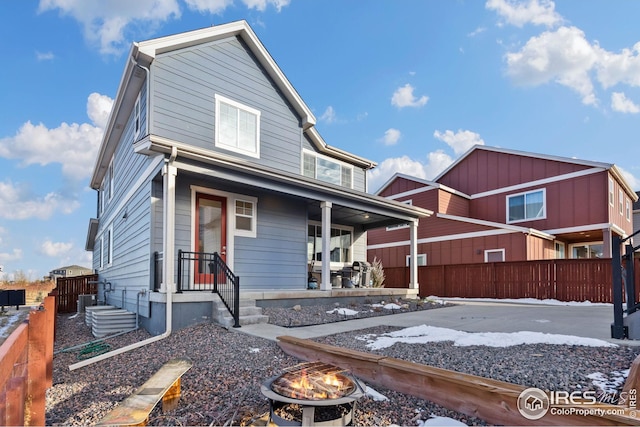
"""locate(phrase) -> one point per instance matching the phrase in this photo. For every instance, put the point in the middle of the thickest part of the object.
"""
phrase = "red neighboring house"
(495, 204)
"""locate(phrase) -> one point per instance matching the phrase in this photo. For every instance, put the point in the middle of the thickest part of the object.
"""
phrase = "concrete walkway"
(590, 321)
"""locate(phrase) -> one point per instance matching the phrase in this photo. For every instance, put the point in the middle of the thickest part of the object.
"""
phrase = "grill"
(313, 393)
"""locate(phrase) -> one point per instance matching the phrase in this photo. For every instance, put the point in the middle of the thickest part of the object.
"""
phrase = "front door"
(211, 233)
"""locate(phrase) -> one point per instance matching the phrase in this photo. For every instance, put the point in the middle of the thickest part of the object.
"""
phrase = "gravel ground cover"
(223, 386)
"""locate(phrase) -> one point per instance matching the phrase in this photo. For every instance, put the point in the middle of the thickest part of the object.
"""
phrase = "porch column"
(169, 173)
(325, 285)
(413, 252)
(606, 243)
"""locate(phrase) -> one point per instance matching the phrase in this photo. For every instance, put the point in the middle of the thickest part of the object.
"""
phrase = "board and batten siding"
(184, 85)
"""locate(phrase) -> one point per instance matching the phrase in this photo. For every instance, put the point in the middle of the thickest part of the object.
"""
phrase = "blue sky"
(409, 84)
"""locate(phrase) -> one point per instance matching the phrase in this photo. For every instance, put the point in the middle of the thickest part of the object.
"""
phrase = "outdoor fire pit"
(312, 393)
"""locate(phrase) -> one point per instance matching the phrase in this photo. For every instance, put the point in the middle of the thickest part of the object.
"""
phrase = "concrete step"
(250, 314)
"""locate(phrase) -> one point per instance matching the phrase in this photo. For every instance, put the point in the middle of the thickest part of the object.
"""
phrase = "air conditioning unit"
(85, 301)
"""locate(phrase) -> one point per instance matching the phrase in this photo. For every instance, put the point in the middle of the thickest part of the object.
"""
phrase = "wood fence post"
(39, 335)
(51, 312)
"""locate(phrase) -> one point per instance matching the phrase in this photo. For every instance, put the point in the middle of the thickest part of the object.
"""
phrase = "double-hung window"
(340, 243)
(245, 216)
(327, 169)
(237, 127)
(526, 206)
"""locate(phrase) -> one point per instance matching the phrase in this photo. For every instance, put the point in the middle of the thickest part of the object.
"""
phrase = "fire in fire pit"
(313, 381)
(325, 394)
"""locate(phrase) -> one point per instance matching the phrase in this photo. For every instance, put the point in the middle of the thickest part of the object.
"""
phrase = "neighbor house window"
(628, 209)
(327, 169)
(237, 127)
(560, 253)
(136, 119)
(421, 258)
(494, 255)
(587, 250)
(245, 217)
(526, 206)
(620, 201)
(611, 193)
(340, 243)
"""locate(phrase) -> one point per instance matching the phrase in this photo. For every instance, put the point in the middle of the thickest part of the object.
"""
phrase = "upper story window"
(526, 206)
(237, 127)
(628, 209)
(621, 201)
(611, 192)
(327, 169)
(111, 179)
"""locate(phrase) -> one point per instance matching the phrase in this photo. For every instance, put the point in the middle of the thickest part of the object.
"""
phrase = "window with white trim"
(237, 127)
(620, 201)
(611, 192)
(560, 250)
(340, 243)
(101, 262)
(136, 118)
(421, 258)
(587, 250)
(327, 169)
(526, 206)
(494, 255)
(245, 217)
(628, 209)
(109, 249)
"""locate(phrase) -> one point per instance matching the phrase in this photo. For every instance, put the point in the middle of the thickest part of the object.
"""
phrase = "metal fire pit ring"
(359, 391)
(277, 401)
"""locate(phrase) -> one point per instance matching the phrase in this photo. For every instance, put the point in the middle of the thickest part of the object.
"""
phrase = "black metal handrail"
(202, 271)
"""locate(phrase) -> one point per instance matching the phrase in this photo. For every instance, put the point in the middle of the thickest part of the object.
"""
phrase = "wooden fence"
(561, 279)
(26, 368)
(69, 288)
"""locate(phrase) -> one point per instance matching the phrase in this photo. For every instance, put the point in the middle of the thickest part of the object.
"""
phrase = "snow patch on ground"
(525, 301)
(343, 311)
(440, 421)
(424, 334)
(375, 395)
(609, 383)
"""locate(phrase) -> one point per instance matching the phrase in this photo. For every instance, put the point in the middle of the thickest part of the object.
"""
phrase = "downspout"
(169, 172)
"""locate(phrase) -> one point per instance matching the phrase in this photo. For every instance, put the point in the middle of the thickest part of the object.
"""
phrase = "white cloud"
(261, 5)
(563, 56)
(537, 12)
(15, 255)
(329, 115)
(620, 103)
(437, 161)
(623, 67)
(74, 146)
(460, 141)
(633, 182)
(55, 249)
(99, 108)
(44, 56)
(391, 136)
(16, 202)
(104, 23)
(477, 31)
(208, 6)
(403, 97)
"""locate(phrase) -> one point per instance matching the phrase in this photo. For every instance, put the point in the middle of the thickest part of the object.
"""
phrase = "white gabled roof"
(143, 54)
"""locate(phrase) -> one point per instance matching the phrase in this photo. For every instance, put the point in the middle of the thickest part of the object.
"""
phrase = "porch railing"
(202, 271)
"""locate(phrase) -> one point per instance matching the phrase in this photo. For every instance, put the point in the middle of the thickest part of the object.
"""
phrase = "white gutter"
(169, 175)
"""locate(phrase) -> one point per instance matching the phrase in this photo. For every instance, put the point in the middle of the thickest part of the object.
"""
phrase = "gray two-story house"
(211, 174)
